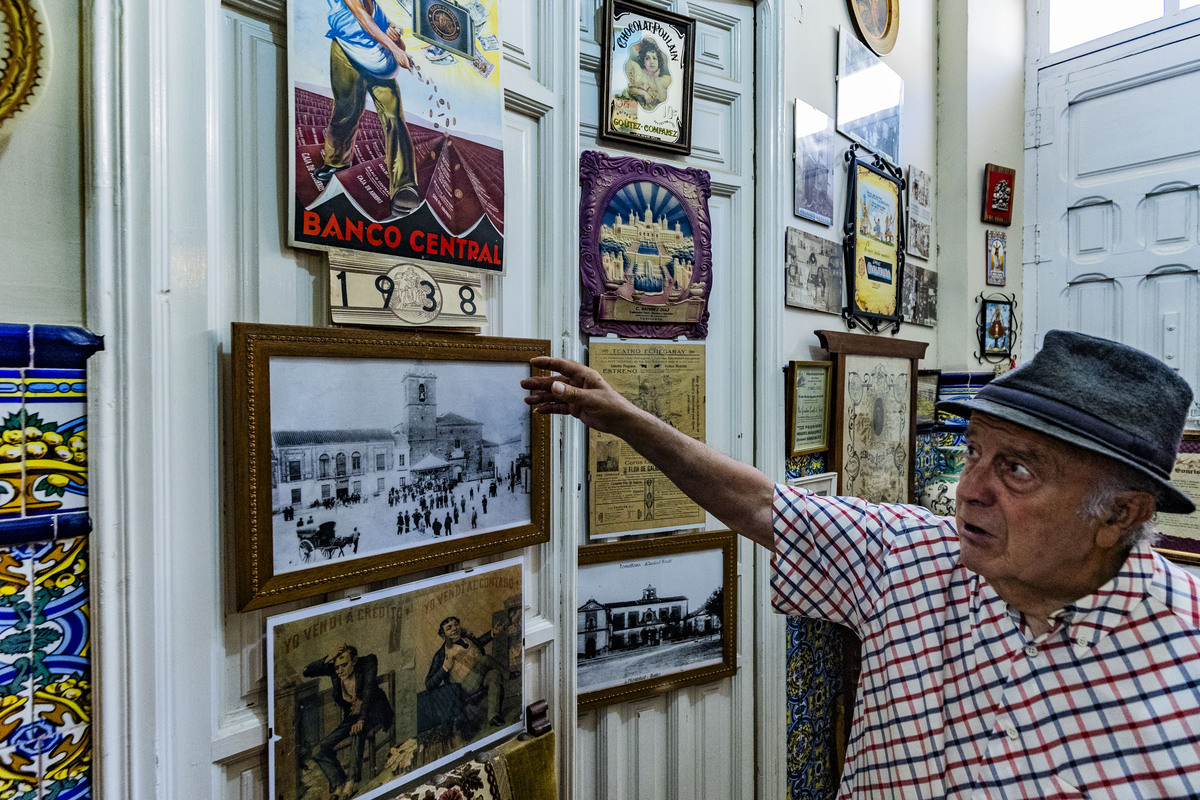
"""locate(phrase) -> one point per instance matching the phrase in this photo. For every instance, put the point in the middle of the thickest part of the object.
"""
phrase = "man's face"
(451, 631)
(343, 665)
(1019, 514)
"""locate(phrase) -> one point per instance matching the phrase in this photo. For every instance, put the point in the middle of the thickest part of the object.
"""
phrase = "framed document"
(927, 389)
(1181, 532)
(809, 387)
(875, 419)
(873, 244)
(626, 493)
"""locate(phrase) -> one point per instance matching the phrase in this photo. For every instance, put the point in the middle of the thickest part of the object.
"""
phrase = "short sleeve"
(830, 555)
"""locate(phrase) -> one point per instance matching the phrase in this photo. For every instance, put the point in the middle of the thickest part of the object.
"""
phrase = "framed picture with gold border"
(810, 387)
(364, 455)
(877, 23)
(655, 615)
(1181, 532)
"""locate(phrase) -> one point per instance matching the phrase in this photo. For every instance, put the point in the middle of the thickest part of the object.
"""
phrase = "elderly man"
(1032, 647)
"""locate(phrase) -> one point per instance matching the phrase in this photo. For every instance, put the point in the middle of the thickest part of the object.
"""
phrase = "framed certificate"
(810, 386)
(1181, 532)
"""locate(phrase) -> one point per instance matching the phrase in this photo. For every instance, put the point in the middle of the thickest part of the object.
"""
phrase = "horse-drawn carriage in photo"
(323, 539)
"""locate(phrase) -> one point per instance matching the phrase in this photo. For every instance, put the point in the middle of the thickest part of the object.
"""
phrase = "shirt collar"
(1089, 619)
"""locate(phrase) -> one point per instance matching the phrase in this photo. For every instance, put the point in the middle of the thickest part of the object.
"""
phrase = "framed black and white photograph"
(373, 691)
(919, 295)
(646, 76)
(364, 455)
(920, 213)
(814, 136)
(655, 615)
(814, 272)
(870, 98)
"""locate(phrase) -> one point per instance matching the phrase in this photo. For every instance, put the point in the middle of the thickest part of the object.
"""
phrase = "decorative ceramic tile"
(958, 386)
(803, 466)
(45, 676)
(12, 452)
(55, 430)
(814, 680)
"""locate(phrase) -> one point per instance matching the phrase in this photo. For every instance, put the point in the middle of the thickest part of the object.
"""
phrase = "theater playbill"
(626, 493)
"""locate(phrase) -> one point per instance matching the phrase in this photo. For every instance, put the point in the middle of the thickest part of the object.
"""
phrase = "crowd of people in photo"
(439, 504)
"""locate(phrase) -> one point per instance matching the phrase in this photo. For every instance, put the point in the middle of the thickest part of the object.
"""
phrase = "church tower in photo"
(420, 414)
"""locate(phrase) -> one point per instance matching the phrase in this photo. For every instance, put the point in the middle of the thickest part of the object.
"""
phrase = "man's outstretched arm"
(735, 493)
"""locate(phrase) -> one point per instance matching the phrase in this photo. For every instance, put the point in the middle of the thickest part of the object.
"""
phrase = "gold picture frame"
(363, 455)
(810, 389)
(692, 620)
(877, 23)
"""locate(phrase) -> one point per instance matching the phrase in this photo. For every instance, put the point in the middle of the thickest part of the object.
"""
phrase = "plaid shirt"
(956, 700)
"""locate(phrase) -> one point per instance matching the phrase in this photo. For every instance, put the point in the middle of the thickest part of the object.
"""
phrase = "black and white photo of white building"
(642, 619)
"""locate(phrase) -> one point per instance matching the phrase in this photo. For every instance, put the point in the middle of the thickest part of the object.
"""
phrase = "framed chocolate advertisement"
(374, 691)
(363, 455)
(645, 248)
(646, 76)
(873, 244)
(655, 615)
(875, 419)
(810, 387)
(1180, 539)
(416, 171)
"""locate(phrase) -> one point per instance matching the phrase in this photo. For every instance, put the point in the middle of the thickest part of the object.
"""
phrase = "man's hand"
(356, 728)
(399, 51)
(579, 391)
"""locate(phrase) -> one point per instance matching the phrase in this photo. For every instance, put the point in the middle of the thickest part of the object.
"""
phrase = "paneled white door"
(1116, 238)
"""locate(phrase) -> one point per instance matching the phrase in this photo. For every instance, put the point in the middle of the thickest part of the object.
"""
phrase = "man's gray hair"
(1112, 480)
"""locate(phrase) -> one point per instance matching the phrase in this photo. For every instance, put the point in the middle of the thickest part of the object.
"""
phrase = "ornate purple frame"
(601, 176)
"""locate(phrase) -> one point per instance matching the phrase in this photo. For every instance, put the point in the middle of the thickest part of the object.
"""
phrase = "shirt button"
(1082, 641)
(1011, 733)
(1030, 650)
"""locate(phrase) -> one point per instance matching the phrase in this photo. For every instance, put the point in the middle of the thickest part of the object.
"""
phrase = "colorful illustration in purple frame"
(645, 253)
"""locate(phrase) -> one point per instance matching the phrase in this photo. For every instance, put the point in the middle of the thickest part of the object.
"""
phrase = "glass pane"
(1074, 22)
(1188, 3)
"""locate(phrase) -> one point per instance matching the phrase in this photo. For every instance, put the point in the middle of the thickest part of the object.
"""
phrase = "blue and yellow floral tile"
(12, 451)
(54, 426)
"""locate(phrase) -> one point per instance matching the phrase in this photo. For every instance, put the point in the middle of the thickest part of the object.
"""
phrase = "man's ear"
(1128, 510)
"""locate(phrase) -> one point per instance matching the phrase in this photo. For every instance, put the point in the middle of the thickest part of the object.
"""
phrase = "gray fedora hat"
(1101, 395)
